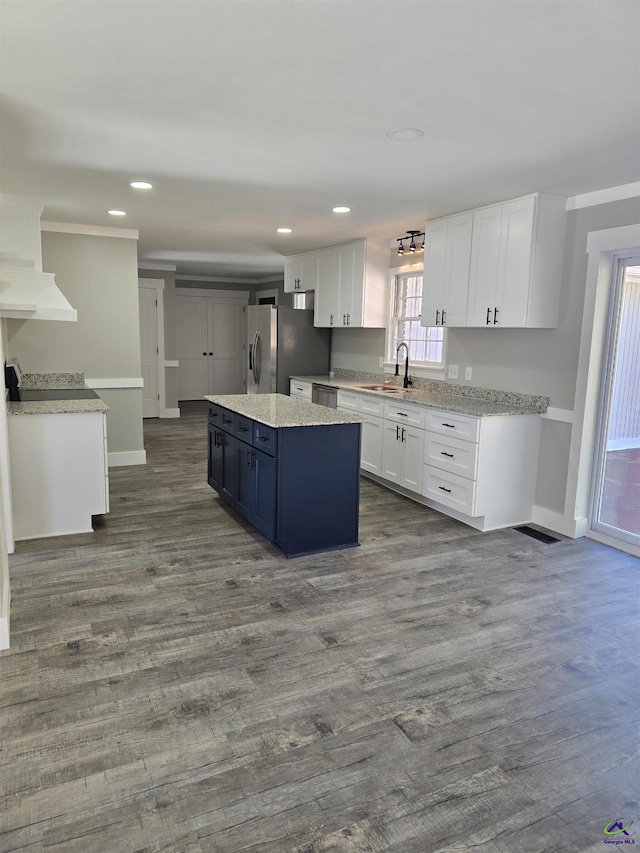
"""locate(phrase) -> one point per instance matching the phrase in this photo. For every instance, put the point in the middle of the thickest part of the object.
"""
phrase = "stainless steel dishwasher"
(324, 395)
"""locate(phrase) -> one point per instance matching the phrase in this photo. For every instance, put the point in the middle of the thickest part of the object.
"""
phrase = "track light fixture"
(411, 236)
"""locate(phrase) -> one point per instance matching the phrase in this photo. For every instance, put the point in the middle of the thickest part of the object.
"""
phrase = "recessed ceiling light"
(341, 209)
(284, 230)
(405, 134)
(141, 185)
(117, 212)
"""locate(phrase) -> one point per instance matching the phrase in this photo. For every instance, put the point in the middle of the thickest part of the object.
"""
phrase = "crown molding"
(605, 196)
(90, 230)
(149, 266)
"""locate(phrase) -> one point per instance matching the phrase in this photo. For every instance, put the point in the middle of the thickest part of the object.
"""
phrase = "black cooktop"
(40, 394)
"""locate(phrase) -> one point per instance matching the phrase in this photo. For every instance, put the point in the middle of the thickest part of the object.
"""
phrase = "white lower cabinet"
(484, 469)
(371, 445)
(480, 470)
(402, 455)
(372, 410)
(301, 389)
(59, 472)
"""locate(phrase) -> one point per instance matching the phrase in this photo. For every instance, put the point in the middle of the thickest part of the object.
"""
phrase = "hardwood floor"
(175, 684)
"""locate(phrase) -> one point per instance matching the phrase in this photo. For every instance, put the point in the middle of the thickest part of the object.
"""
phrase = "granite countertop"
(481, 406)
(278, 410)
(55, 382)
(56, 407)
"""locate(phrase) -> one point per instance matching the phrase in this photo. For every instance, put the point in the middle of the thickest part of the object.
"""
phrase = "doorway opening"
(615, 504)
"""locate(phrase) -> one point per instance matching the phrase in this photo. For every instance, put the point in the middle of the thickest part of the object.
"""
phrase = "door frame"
(597, 529)
(158, 285)
(601, 247)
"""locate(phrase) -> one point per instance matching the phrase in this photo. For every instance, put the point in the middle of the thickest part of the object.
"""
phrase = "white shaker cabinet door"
(435, 259)
(514, 268)
(327, 298)
(371, 445)
(485, 257)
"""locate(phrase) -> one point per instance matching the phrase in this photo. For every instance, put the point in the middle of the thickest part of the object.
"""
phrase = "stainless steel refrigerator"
(282, 342)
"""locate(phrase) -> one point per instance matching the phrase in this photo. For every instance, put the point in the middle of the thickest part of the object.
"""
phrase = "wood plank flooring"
(175, 684)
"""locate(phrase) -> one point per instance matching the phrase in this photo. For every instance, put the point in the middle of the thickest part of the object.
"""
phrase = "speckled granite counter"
(278, 410)
(486, 404)
(56, 407)
(57, 382)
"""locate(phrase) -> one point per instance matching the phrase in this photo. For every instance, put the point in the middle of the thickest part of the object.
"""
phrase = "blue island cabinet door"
(265, 493)
(245, 494)
(227, 475)
(318, 488)
(214, 458)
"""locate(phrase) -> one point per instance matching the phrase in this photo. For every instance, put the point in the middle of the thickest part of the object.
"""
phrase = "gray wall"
(99, 277)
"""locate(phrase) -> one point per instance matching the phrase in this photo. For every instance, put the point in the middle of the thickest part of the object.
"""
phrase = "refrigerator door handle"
(256, 358)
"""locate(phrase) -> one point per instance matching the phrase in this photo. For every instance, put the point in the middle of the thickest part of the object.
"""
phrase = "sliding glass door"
(615, 509)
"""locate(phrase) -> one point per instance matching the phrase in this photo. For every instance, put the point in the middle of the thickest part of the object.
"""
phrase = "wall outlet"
(453, 371)
(467, 373)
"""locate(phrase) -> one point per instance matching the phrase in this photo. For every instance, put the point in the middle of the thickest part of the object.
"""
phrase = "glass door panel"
(616, 494)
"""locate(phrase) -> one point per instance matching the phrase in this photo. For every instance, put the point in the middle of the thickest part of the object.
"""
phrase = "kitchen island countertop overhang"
(279, 411)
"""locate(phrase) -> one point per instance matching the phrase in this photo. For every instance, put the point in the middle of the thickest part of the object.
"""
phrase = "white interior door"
(149, 351)
(191, 346)
(226, 335)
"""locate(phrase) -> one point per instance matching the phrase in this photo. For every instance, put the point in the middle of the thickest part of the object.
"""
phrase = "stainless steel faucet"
(407, 379)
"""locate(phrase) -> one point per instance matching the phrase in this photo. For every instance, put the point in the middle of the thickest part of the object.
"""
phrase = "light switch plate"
(453, 371)
(467, 373)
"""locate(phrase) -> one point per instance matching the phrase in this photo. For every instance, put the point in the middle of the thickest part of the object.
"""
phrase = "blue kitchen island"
(289, 467)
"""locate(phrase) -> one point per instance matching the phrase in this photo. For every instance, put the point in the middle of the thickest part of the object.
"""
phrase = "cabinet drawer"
(300, 389)
(372, 405)
(266, 438)
(451, 454)
(227, 420)
(365, 403)
(404, 413)
(349, 400)
(457, 426)
(244, 429)
(214, 415)
(449, 489)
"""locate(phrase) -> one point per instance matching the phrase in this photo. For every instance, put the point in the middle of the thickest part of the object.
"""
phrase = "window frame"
(423, 370)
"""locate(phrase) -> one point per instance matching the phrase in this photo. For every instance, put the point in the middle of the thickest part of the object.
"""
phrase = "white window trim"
(390, 366)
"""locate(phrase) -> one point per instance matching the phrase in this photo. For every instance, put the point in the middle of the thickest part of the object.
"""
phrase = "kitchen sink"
(385, 388)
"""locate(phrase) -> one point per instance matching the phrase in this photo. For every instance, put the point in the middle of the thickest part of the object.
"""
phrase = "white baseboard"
(127, 457)
(4, 633)
(556, 521)
(170, 413)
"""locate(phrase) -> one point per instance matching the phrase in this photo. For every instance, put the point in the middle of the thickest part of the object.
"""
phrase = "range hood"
(25, 291)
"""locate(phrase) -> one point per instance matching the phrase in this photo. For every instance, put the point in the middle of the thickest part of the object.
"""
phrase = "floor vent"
(536, 534)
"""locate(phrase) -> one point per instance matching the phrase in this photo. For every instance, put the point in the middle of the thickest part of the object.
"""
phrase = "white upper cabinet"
(499, 265)
(355, 293)
(328, 290)
(516, 263)
(445, 285)
(301, 272)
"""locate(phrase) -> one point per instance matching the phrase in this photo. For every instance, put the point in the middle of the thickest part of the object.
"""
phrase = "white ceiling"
(247, 115)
